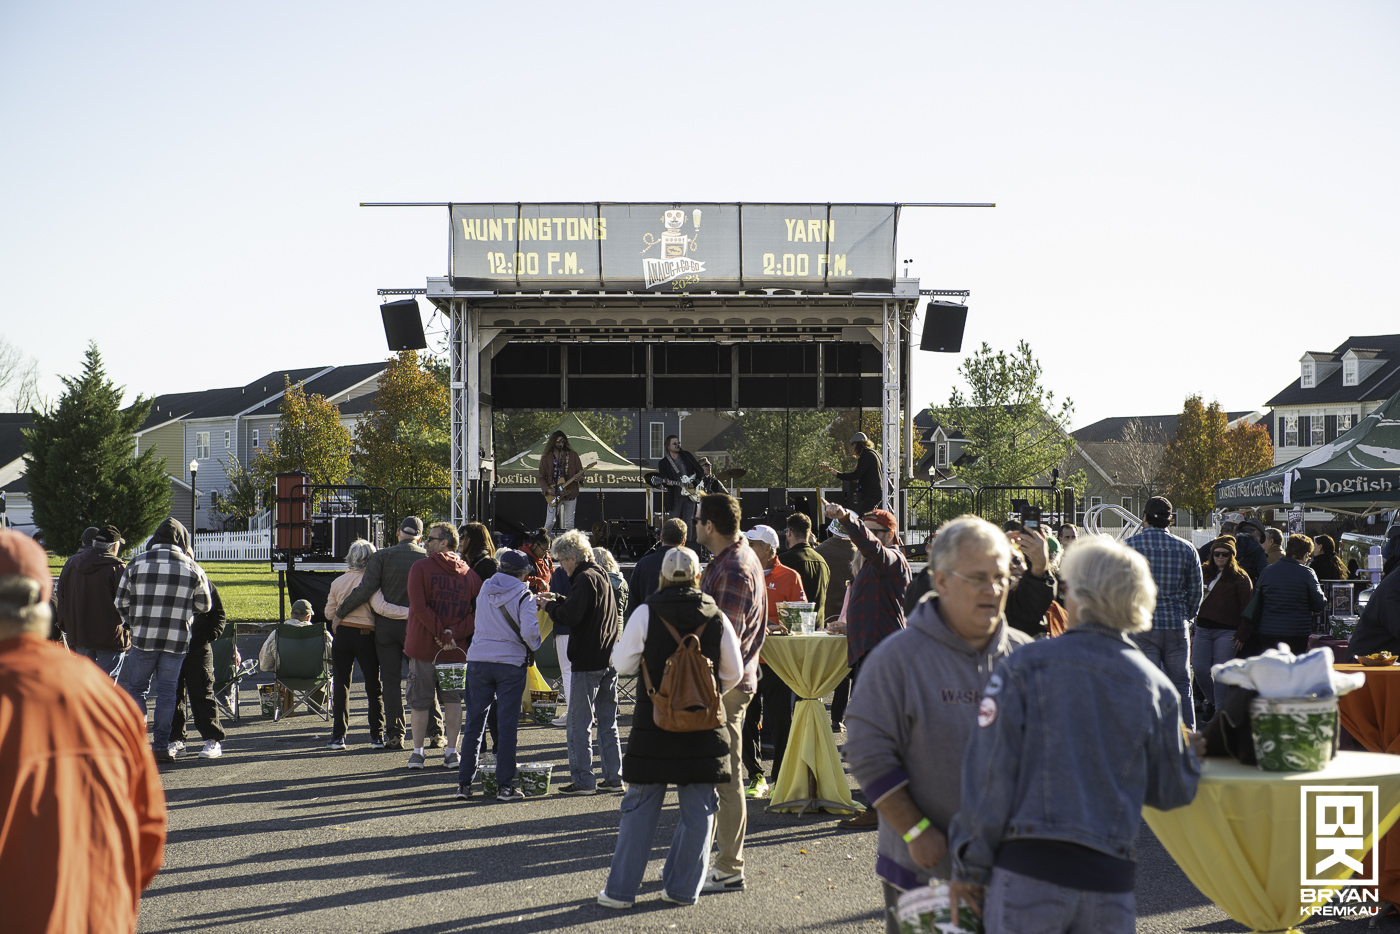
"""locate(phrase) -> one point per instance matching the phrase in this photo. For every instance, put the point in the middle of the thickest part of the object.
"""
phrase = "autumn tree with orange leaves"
(1205, 450)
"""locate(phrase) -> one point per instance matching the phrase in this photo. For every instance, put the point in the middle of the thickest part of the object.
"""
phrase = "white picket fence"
(228, 546)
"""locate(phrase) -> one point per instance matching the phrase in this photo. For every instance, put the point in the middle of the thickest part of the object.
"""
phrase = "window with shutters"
(1290, 431)
(1345, 423)
(1318, 424)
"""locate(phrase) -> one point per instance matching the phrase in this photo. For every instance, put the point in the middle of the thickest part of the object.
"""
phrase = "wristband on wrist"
(913, 833)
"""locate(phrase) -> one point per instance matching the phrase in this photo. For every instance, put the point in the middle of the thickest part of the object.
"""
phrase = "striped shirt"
(734, 579)
(159, 593)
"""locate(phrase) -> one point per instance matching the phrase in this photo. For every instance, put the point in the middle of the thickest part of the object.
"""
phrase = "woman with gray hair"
(353, 641)
(1075, 735)
(609, 566)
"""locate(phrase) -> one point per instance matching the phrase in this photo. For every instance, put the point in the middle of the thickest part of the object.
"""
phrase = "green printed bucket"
(488, 778)
(451, 676)
(925, 911)
(544, 711)
(789, 614)
(534, 779)
(1294, 734)
(268, 698)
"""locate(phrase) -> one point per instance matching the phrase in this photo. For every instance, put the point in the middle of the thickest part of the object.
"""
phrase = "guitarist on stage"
(674, 468)
(708, 482)
(560, 470)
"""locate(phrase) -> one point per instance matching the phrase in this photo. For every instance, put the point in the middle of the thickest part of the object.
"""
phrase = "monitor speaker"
(403, 327)
(943, 327)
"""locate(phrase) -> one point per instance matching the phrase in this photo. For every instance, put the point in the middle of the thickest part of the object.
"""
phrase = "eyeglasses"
(1220, 554)
(999, 584)
(437, 538)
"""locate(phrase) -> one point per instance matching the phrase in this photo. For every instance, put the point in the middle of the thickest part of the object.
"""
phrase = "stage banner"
(677, 247)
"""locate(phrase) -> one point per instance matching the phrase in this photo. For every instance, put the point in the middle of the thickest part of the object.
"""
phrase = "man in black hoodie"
(86, 589)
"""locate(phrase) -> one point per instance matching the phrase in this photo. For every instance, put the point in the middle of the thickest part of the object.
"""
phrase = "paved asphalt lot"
(280, 835)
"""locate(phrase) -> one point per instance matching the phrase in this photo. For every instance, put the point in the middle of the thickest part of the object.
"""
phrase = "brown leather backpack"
(687, 700)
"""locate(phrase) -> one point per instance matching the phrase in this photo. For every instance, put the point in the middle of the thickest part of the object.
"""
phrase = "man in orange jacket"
(773, 703)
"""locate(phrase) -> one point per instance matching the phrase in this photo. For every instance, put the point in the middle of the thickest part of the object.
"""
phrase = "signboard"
(1296, 525)
(675, 247)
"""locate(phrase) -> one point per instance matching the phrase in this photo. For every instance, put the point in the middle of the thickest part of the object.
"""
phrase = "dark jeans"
(389, 637)
(196, 696)
(1257, 643)
(491, 685)
(774, 707)
(349, 645)
(842, 694)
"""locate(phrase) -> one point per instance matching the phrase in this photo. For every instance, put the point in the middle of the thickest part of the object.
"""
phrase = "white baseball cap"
(680, 564)
(765, 534)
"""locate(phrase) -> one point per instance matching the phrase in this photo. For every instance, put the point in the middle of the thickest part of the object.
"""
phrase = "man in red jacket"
(441, 591)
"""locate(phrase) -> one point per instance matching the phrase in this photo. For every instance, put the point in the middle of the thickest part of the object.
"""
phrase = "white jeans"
(567, 514)
(566, 669)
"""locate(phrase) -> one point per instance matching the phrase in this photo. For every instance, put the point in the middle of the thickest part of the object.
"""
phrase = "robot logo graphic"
(676, 258)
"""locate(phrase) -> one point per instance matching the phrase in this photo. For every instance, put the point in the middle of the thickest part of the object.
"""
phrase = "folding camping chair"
(302, 667)
(227, 675)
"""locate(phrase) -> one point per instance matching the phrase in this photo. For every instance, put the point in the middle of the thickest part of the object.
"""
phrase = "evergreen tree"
(81, 468)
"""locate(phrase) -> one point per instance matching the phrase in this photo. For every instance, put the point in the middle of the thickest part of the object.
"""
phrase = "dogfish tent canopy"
(1357, 474)
(612, 469)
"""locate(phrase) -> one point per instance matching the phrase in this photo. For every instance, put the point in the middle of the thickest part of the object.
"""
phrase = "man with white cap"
(84, 831)
(773, 704)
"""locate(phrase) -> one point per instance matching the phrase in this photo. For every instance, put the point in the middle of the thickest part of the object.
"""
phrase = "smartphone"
(1030, 518)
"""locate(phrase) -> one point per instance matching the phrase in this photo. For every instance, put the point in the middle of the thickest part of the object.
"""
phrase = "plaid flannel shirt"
(160, 592)
(875, 600)
(734, 578)
(1176, 568)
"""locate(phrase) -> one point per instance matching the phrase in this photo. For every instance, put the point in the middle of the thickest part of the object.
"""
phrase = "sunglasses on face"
(1220, 554)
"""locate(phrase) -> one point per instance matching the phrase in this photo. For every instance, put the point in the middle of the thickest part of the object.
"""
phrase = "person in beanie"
(1220, 629)
(84, 827)
(867, 490)
(694, 762)
(160, 592)
(1176, 570)
(87, 616)
(507, 631)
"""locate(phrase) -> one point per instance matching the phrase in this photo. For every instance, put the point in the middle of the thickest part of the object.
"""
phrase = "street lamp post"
(194, 497)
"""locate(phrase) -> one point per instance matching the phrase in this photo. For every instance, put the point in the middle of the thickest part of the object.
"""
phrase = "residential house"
(16, 509)
(1334, 390)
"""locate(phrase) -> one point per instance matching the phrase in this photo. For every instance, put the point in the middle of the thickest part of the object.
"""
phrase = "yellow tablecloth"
(812, 666)
(1239, 841)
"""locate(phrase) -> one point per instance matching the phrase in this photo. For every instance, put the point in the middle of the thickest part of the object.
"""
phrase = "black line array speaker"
(403, 327)
(943, 327)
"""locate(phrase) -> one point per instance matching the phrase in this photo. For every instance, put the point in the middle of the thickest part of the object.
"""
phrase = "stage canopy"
(612, 470)
(1359, 473)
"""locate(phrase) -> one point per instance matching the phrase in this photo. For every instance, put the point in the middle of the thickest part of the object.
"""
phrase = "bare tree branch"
(19, 379)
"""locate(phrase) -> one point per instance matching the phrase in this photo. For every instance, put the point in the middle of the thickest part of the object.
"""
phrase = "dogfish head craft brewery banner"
(674, 247)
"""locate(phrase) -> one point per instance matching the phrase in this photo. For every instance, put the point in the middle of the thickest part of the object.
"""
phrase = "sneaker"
(564, 721)
(758, 787)
(607, 902)
(572, 789)
(165, 755)
(510, 793)
(451, 760)
(436, 742)
(464, 791)
(376, 741)
(337, 744)
(666, 897)
(394, 742)
(717, 881)
(416, 760)
(212, 750)
(177, 748)
(618, 785)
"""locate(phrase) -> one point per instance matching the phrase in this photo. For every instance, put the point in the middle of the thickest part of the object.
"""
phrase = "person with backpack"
(689, 655)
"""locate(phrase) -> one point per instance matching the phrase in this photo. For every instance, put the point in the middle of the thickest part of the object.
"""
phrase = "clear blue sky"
(1190, 195)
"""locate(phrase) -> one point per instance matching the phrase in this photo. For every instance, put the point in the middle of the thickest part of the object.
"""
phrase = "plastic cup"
(808, 619)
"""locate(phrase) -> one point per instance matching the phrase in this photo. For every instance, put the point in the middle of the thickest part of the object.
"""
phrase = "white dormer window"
(1348, 372)
(941, 457)
(1309, 374)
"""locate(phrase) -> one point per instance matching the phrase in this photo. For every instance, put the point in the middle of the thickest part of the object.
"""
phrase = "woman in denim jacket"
(1075, 735)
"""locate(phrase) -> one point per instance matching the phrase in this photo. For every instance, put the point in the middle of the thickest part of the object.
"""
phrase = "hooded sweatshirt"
(161, 590)
(85, 593)
(913, 709)
(495, 639)
(441, 589)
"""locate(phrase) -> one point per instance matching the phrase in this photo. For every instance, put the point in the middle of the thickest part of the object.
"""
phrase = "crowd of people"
(1016, 660)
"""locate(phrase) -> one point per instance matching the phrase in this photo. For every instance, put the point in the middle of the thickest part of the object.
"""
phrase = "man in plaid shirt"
(1176, 569)
(159, 594)
(734, 578)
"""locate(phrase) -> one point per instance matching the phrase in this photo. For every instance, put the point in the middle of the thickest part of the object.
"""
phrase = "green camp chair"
(302, 668)
(227, 675)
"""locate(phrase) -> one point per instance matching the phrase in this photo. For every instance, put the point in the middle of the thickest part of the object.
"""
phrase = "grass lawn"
(248, 588)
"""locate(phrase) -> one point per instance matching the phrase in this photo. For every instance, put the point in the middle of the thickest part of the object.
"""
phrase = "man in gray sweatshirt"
(917, 702)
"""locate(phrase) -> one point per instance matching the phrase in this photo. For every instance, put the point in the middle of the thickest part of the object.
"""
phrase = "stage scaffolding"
(482, 323)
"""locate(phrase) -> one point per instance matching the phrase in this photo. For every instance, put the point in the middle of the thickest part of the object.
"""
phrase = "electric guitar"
(586, 462)
(687, 485)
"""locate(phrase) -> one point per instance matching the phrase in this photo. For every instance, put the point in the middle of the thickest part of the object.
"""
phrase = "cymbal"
(733, 473)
